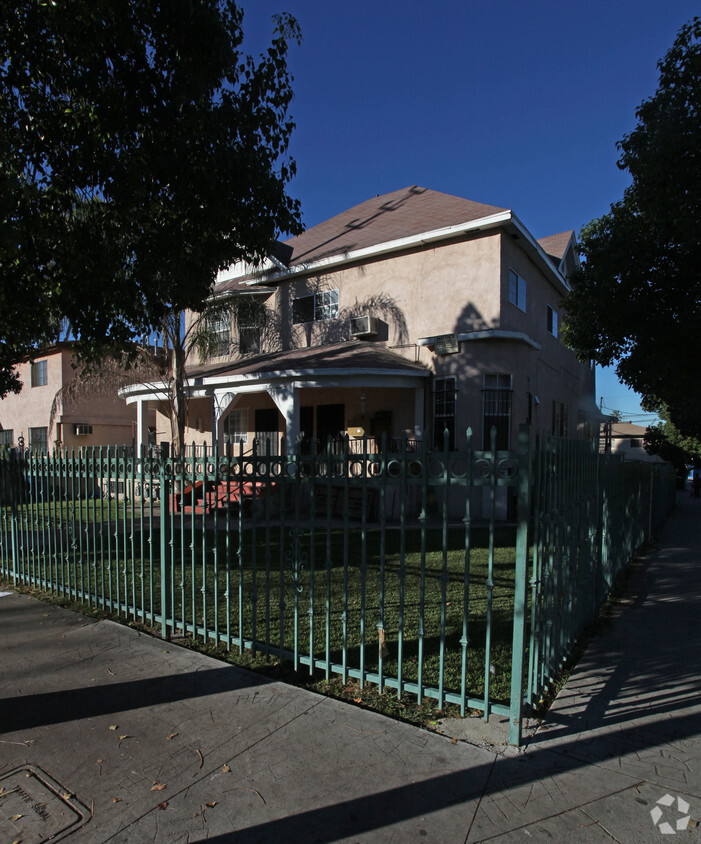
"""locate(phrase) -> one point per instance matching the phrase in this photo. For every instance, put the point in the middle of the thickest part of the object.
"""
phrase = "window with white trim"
(220, 327)
(236, 427)
(517, 290)
(552, 321)
(315, 306)
(250, 320)
(82, 429)
(7, 437)
(39, 373)
(444, 412)
(496, 401)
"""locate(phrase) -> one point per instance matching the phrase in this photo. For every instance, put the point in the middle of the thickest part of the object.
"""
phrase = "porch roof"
(347, 364)
(352, 363)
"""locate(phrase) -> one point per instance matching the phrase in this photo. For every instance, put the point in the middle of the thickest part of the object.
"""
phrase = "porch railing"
(461, 577)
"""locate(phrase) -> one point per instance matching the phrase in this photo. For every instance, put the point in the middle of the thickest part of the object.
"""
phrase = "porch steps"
(218, 496)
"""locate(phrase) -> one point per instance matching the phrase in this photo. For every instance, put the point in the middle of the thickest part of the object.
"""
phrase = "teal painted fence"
(463, 577)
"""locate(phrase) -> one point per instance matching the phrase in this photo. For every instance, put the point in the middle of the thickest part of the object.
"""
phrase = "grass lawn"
(327, 597)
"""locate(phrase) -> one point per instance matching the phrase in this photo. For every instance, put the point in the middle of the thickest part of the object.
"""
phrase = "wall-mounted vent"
(363, 326)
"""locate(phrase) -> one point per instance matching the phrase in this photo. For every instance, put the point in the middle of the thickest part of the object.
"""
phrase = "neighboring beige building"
(628, 439)
(25, 418)
(413, 312)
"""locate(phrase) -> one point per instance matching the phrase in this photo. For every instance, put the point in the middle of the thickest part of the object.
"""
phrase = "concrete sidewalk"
(111, 735)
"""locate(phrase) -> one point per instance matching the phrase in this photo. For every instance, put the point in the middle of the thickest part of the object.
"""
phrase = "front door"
(330, 422)
(306, 429)
(266, 431)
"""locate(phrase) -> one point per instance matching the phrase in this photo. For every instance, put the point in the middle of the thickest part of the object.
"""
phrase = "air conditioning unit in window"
(363, 326)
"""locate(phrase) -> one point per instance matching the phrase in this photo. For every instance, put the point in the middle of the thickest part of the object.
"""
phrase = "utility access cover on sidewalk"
(35, 808)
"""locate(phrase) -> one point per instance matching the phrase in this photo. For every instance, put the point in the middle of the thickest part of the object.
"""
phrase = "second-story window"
(39, 374)
(250, 322)
(517, 290)
(552, 321)
(316, 306)
(221, 334)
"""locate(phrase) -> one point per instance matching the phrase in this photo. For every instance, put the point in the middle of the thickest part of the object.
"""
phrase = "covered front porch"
(307, 397)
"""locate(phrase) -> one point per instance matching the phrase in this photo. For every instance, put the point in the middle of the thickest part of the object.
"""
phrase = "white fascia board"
(433, 236)
(255, 290)
(488, 334)
(558, 279)
(131, 395)
(155, 392)
(243, 268)
(305, 376)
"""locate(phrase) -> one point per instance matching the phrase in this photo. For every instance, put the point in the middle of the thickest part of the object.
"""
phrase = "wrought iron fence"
(462, 577)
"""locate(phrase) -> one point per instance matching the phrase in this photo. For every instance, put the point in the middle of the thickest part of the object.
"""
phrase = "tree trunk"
(179, 403)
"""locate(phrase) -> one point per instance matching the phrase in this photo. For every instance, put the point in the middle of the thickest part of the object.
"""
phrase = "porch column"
(286, 398)
(419, 413)
(141, 425)
(221, 402)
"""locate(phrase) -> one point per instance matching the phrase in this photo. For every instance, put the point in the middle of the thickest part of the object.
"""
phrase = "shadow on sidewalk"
(41, 710)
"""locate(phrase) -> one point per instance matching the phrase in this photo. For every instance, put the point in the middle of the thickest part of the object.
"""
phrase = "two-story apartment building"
(414, 312)
(82, 420)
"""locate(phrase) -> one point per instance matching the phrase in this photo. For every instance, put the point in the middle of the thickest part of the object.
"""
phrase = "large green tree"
(636, 302)
(664, 439)
(140, 151)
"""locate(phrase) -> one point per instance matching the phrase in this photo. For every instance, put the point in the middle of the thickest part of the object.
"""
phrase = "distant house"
(628, 439)
(413, 313)
(26, 418)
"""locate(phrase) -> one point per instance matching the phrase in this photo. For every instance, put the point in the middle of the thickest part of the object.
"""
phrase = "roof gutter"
(504, 219)
(390, 246)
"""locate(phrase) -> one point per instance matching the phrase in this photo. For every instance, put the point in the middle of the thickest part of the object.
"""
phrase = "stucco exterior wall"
(457, 287)
(111, 419)
(435, 290)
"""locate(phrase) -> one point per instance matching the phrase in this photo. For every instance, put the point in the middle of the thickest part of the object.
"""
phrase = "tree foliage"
(636, 301)
(665, 440)
(140, 152)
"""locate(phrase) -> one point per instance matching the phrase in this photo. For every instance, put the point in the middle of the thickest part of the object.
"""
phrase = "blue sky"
(517, 104)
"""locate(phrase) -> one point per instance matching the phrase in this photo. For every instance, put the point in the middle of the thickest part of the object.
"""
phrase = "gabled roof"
(556, 244)
(562, 250)
(410, 218)
(395, 215)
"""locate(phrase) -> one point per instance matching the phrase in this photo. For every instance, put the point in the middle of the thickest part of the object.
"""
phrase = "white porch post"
(141, 425)
(419, 413)
(221, 402)
(286, 398)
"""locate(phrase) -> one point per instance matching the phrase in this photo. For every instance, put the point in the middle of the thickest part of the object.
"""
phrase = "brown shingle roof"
(349, 355)
(402, 213)
(556, 244)
(382, 219)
